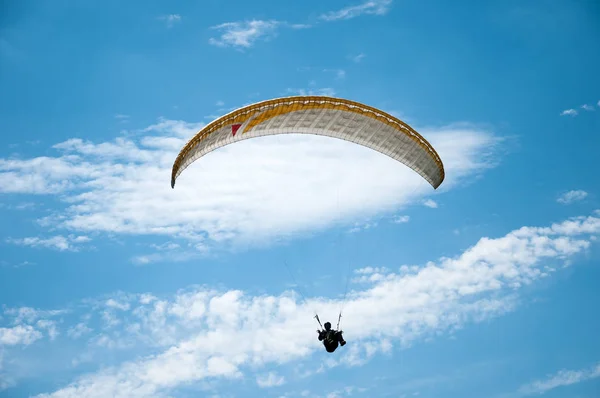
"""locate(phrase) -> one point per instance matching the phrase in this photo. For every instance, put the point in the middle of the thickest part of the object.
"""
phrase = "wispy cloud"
(172, 256)
(298, 26)
(357, 58)
(122, 117)
(271, 379)
(17, 264)
(430, 203)
(401, 219)
(569, 112)
(574, 112)
(560, 379)
(25, 206)
(587, 107)
(59, 242)
(345, 392)
(78, 330)
(244, 34)
(171, 19)
(572, 196)
(327, 91)
(339, 73)
(363, 226)
(372, 7)
(206, 333)
(19, 206)
(116, 304)
(23, 315)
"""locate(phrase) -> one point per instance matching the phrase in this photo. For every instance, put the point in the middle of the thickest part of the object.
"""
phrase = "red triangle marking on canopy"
(235, 128)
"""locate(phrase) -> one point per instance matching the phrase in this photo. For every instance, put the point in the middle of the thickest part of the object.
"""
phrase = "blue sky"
(113, 284)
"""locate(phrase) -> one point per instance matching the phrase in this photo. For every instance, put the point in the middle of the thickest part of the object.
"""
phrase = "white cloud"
(170, 256)
(587, 107)
(244, 34)
(122, 187)
(166, 246)
(25, 326)
(220, 103)
(59, 242)
(560, 379)
(211, 334)
(25, 206)
(572, 196)
(28, 315)
(401, 219)
(271, 379)
(169, 251)
(78, 330)
(147, 298)
(110, 319)
(20, 334)
(363, 226)
(50, 327)
(357, 58)
(569, 112)
(299, 25)
(147, 259)
(370, 270)
(41, 175)
(16, 264)
(171, 19)
(430, 203)
(346, 391)
(372, 275)
(112, 303)
(373, 7)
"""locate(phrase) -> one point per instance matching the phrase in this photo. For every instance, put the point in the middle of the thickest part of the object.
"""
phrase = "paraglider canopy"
(319, 115)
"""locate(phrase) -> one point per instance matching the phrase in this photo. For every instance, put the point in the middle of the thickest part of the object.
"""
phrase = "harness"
(330, 337)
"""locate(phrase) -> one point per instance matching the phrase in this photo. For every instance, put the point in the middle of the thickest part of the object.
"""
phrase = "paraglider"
(331, 338)
(319, 115)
